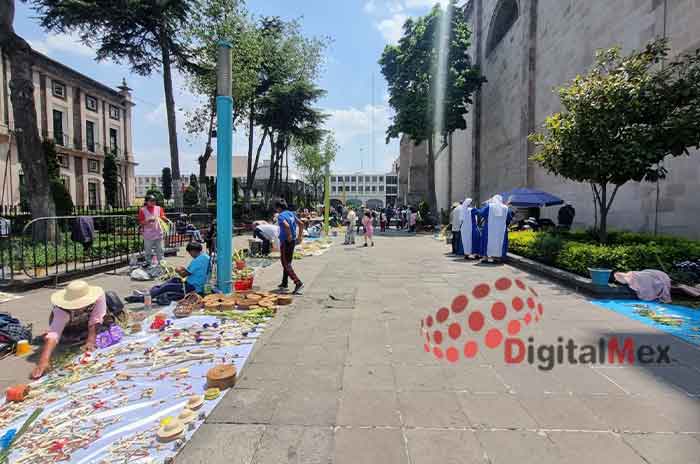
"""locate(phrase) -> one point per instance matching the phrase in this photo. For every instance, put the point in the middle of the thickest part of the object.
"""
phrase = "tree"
(26, 132)
(110, 179)
(59, 193)
(144, 33)
(267, 55)
(166, 183)
(621, 120)
(411, 69)
(313, 159)
(160, 200)
(190, 196)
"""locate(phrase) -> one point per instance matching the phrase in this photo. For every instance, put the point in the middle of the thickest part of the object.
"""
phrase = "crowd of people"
(352, 218)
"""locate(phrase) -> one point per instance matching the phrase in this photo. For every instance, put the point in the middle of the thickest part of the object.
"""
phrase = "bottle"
(147, 301)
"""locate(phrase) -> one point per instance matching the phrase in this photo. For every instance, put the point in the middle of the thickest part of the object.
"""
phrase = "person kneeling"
(77, 309)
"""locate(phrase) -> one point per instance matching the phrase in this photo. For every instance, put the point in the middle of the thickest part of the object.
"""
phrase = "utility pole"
(224, 169)
(327, 201)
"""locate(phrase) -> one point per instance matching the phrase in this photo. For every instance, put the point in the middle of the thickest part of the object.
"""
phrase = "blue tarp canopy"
(530, 198)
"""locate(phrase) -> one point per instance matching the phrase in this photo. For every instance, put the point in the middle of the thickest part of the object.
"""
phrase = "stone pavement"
(342, 377)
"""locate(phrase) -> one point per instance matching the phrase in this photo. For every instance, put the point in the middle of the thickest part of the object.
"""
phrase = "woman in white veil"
(470, 231)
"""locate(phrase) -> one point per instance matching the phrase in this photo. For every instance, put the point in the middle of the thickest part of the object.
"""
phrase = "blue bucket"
(600, 277)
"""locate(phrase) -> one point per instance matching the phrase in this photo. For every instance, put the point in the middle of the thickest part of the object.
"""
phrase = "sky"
(359, 30)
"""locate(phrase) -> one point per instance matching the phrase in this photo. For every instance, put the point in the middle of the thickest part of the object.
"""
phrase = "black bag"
(114, 303)
(12, 330)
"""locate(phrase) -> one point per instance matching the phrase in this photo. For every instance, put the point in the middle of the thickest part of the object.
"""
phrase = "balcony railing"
(61, 139)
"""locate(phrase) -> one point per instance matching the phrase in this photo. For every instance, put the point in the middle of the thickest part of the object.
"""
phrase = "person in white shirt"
(350, 232)
(269, 234)
(456, 227)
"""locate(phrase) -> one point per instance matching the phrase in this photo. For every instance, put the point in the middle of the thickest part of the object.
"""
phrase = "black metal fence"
(59, 247)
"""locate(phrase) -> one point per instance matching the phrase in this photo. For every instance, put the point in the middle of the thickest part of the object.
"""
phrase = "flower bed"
(576, 252)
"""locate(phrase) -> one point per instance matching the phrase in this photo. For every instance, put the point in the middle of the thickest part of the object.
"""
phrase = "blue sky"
(359, 30)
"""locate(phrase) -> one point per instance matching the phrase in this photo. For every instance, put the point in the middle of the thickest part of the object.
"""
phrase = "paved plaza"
(342, 377)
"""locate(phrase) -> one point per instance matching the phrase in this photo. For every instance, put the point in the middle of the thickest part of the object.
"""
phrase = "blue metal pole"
(224, 171)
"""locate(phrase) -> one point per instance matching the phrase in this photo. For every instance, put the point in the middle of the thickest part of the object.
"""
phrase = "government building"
(85, 119)
(526, 49)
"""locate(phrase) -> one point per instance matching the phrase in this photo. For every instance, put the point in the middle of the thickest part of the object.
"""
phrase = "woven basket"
(221, 376)
(190, 303)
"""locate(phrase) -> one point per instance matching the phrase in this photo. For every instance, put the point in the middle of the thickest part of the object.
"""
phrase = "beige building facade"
(526, 49)
(84, 118)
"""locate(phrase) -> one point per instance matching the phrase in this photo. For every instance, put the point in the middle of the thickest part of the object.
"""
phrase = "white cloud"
(370, 7)
(352, 128)
(392, 28)
(420, 4)
(62, 43)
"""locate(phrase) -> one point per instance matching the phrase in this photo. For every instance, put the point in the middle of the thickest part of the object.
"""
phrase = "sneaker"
(298, 289)
(365, 244)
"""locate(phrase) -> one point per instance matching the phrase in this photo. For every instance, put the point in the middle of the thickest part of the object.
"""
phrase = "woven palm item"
(190, 303)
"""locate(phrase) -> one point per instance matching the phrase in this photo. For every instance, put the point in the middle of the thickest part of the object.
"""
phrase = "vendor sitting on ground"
(78, 308)
(194, 275)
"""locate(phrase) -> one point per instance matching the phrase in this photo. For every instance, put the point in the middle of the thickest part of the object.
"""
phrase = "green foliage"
(190, 196)
(166, 183)
(576, 252)
(235, 187)
(160, 199)
(410, 69)
(110, 178)
(313, 159)
(211, 187)
(59, 192)
(621, 120)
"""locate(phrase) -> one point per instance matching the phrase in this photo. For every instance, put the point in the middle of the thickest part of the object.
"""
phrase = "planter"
(240, 265)
(600, 276)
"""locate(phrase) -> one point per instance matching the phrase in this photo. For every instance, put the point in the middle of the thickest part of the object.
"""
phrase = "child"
(369, 228)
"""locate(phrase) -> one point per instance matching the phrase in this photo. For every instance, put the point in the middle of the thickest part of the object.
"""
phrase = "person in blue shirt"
(195, 276)
(291, 233)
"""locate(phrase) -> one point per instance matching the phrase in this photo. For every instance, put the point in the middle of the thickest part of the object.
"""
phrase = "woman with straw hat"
(79, 306)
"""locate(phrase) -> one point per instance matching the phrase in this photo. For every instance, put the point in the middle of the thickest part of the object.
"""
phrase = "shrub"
(576, 252)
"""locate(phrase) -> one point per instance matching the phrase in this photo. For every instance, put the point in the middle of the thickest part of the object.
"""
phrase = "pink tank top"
(152, 230)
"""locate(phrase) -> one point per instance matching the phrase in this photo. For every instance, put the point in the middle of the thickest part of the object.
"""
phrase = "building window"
(374, 178)
(93, 195)
(353, 188)
(505, 15)
(333, 189)
(374, 188)
(58, 89)
(90, 136)
(332, 178)
(347, 188)
(347, 178)
(353, 179)
(63, 161)
(381, 178)
(113, 141)
(93, 166)
(58, 128)
(114, 112)
(381, 188)
(91, 103)
(65, 180)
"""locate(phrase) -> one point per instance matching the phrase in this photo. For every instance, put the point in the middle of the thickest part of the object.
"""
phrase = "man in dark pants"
(291, 233)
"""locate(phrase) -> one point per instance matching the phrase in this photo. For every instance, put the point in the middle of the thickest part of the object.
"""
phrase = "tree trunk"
(26, 132)
(432, 198)
(172, 123)
(249, 172)
(271, 176)
(203, 161)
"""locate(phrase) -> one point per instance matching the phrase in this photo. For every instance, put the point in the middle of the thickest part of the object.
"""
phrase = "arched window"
(504, 17)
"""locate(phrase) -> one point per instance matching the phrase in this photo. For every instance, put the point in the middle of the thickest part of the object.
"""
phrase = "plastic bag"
(140, 274)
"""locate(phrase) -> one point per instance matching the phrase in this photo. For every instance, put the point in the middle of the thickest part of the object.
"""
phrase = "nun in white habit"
(470, 232)
(494, 236)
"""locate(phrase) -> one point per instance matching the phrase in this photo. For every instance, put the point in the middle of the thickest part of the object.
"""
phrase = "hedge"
(576, 252)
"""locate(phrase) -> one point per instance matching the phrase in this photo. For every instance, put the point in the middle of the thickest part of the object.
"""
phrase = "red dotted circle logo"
(497, 312)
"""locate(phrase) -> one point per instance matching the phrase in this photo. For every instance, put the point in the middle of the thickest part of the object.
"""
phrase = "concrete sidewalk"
(342, 377)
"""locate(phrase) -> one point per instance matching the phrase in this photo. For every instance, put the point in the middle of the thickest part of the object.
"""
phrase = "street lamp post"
(224, 169)
(327, 201)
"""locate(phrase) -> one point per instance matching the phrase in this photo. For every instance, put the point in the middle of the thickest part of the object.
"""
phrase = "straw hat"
(186, 416)
(171, 430)
(78, 294)
(195, 402)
